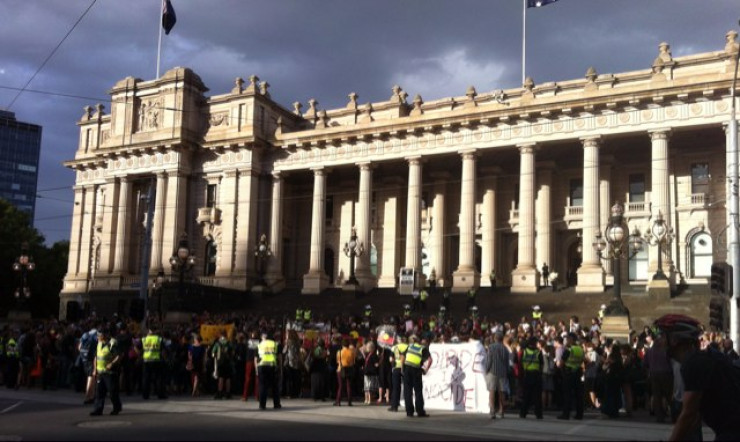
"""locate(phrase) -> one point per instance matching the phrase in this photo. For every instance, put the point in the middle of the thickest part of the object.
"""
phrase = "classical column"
(363, 225)
(74, 283)
(605, 204)
(413, 218)
(466, 276)
(526, 276)
(160, 199)
(488, 219)
(590, 274)
(229, 195)
(316, 280)
(660, 202)
(86, 231)
(109, 213)
(247, 236)
(390, 246)
(275, 277)
(121, 246)
(543, 219)
(437, 235)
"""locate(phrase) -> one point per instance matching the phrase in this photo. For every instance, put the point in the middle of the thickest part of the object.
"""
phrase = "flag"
(532, 3)
(168, 17)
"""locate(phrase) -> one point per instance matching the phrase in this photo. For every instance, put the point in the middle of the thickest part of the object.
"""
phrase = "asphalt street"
(60, 415)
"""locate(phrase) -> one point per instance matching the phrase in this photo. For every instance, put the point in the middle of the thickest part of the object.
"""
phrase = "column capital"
(161, 174)
(726, 127)
(468, 154)
(278, 175)
(320, 171)
(659, 134)
(414, 160)
(527, 148)
(594, 141)
(366, 165)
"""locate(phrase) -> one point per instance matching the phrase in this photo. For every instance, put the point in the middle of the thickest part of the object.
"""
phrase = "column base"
(616, 327)
(464, 280)
(525, 280)
(388, 281)
(367, 280)
(659, 289)
(590, 279)
(314, 283)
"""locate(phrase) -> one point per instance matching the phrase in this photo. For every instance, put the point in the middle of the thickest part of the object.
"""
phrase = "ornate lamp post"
(182, 261)
(614, 245)
(660, 233)
(158, 284)
(22, 265)
(353, 249)
(262, 252)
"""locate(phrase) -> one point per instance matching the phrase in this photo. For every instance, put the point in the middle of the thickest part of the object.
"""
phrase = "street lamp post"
(353, 249)
(659, 234)
(158, 287)
(22, 265)
(182, 261)
(262, 252)
(612, 247)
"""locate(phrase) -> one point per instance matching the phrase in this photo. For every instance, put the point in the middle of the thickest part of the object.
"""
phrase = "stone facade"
(505, 180)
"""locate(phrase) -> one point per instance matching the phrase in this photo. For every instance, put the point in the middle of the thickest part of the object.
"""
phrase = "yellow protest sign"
(211, 333)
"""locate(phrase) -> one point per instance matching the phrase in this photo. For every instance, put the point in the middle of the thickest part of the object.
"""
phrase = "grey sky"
(322, 49)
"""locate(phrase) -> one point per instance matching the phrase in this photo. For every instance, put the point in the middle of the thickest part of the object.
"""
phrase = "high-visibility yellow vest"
(103, 356)
(471, 293)
(299, 314)
(11, 350)
(531, 360)
(424, 295)
(575, 359)
(432, 324)
(413, 355)
(152, 348)
(537, 314)
(399, 349)
(268, 353)
(307, 315)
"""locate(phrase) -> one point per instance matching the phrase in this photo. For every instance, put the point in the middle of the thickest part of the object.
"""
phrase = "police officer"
(153, 346)
(397, 354)
(572, 383)
(11, 362)
(532, 362)
(602, 311)
(307, 315)
(415, 357)
(299, 315)
(442, 315)
(368, 313)
(536, 315)
(106, 370)
(267, 362)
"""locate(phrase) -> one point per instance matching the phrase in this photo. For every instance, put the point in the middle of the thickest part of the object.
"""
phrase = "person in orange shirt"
(345, 371)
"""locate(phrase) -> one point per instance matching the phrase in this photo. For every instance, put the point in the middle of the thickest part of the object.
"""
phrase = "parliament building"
(452, 188)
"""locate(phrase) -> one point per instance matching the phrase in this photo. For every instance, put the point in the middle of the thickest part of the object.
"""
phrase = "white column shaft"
(467, 213)
(413, 216)
(591, 223)
(544, 218)
(160, 199)
(121, 247)
(362, 220)
(316, 261)
(526, 208)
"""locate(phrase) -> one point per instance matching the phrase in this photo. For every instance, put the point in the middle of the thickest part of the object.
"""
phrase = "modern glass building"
(20, 147)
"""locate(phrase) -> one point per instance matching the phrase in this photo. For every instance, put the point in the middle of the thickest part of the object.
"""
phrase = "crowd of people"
(563, 365)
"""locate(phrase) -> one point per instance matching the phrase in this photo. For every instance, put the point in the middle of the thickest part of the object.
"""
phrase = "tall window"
(700, 178)
(576, 192)
(637, 188)
(211, 195)
(329, 210)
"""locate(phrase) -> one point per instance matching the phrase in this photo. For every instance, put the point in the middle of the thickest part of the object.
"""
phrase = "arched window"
(700, 251)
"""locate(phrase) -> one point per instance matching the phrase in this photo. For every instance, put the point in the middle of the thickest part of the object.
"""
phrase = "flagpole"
(524, 39)
(159, 42)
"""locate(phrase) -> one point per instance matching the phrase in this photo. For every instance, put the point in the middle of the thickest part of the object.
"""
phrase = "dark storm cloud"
(324, 49)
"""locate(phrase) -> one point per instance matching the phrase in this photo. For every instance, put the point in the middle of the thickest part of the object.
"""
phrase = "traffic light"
(717, 315)
(721, 281)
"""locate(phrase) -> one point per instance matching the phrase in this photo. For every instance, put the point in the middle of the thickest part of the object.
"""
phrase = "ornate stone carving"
(238, 86)
(352, 101)
(219, 119)
(149, 114)
(528, 84)
(731, 45)
(297, 106)
(264, 86)
(88, 113)
(418, 101)
(367, 113)
(252, 88)
(471, 93)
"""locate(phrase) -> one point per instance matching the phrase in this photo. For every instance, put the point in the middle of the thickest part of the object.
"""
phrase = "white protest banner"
(455, 381)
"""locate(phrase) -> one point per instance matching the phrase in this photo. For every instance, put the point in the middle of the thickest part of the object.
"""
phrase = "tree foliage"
(45, 281)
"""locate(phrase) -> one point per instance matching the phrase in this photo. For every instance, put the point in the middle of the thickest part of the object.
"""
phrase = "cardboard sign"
(456, 380)
(211, 333)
